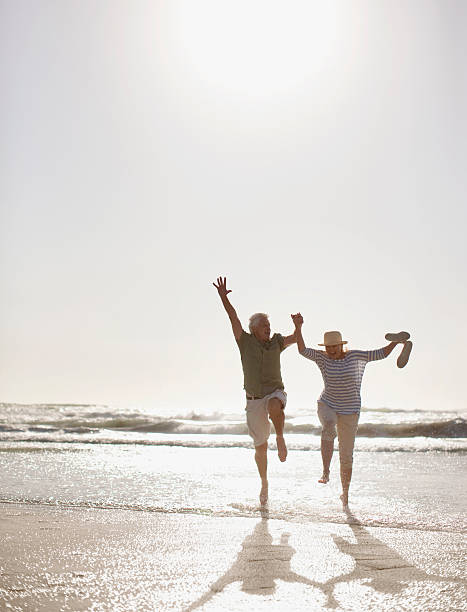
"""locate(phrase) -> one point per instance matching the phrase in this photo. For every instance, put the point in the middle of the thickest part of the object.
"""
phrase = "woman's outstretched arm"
(298, 322)
(389, 348)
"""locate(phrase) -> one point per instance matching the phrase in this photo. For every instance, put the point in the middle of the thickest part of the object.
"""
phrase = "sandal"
(400, 337)
(405, 354)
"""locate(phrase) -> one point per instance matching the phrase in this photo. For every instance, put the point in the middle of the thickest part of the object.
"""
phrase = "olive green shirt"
(261, 364)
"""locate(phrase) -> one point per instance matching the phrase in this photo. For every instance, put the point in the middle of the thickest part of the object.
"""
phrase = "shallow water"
(409, 466)
(399, 489)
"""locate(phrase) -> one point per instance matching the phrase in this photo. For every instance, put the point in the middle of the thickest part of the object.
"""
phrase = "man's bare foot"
(345, 500)
(324, 478)
(263, 495)
(281, 448)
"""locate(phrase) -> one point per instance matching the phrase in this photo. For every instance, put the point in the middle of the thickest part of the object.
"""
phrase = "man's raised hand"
(297, 319)
(222, 290)
(222, 286)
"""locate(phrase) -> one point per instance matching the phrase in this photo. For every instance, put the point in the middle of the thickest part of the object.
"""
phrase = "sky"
(313, 153)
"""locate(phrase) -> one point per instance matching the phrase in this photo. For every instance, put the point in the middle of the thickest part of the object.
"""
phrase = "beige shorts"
(346, 424)
(257, 416)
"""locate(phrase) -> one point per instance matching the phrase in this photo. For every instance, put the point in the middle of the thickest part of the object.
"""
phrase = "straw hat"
(332, 337)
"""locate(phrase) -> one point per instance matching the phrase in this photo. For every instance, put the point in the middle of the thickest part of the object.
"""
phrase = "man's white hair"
(255, 319)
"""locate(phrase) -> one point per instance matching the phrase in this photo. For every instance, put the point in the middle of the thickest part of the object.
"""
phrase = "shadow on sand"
(260, 563)
(379, 566)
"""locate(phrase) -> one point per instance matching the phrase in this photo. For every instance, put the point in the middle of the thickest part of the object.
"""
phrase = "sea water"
(409, 466)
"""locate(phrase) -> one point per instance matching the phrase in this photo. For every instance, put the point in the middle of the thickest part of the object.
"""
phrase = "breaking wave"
(452, 428)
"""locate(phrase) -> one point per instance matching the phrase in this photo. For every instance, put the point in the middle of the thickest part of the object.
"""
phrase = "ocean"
(409, 465)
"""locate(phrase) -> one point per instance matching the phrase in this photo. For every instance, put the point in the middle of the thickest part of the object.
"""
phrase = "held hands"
(297, 320)
(222, 287)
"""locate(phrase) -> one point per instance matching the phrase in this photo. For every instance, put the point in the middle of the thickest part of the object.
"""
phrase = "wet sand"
(104, 559)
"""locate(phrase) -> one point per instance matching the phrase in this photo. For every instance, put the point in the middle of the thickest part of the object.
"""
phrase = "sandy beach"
(64, 558)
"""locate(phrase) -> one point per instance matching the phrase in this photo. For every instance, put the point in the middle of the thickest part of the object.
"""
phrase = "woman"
(340, 402)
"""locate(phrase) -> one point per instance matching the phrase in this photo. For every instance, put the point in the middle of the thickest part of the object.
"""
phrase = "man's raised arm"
(230, 310)
(288, 340)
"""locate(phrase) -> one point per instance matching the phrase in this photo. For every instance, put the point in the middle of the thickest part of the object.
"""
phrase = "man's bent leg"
(276, 413)
(347, 425)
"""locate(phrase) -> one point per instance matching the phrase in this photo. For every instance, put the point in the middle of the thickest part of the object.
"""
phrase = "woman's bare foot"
(263, 495)
(281, 448)
(324, 478)
(345, 500)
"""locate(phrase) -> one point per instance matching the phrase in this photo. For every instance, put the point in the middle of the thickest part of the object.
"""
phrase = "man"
(265, 395)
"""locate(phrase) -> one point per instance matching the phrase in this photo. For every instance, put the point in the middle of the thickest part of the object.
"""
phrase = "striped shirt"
(342, 377)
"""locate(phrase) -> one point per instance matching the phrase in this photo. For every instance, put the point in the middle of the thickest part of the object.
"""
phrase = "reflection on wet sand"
(260, 563)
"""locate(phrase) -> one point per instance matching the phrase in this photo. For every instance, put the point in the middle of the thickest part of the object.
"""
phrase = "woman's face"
(334, 351)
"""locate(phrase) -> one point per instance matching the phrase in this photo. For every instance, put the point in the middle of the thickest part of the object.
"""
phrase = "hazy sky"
(312, 152)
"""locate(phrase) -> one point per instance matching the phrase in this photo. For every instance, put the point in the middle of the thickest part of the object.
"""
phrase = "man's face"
(334, 351)
(262, 331)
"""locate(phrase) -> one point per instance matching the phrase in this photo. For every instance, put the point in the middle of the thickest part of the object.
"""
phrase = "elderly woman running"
(340, 402)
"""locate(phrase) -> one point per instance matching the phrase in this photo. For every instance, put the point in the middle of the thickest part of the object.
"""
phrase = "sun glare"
(256, 48)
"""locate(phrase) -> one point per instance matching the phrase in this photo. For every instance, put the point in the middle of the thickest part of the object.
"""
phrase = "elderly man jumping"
(265, 395)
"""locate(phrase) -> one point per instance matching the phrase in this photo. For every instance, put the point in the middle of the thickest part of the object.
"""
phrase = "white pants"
(257, 416)
(346, 424)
